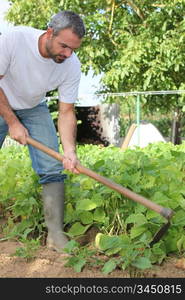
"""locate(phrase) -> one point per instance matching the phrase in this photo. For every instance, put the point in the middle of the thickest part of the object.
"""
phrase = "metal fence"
(102, 98)
(99, 98)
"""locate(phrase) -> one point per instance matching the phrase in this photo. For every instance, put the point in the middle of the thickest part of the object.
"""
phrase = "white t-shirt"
(28, 75)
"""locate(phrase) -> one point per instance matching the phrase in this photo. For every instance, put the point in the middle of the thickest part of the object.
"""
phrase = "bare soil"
(47, 263)
(50, 264)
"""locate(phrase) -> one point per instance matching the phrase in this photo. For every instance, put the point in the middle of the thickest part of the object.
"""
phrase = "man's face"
(61, 46)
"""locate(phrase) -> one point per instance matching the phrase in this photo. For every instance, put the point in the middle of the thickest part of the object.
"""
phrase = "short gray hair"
(67, 19)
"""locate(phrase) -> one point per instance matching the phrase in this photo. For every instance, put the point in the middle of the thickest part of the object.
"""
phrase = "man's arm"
(16, 130)
(67, 127)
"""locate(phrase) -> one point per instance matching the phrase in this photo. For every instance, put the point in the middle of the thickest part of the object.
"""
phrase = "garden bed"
(50, 264)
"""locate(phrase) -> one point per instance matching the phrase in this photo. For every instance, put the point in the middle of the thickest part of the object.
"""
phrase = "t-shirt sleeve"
(68, 90)
(6, 46)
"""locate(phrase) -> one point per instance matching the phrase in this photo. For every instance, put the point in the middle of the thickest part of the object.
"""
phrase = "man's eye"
(63, 46)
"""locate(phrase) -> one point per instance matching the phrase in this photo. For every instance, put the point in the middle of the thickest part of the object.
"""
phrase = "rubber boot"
(53, 201)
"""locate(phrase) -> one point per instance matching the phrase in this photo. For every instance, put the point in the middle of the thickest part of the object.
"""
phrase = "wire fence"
(126, 94)
(102, 97)
(98, 98)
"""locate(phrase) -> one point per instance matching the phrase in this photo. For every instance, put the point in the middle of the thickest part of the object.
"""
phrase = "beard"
(57, 58)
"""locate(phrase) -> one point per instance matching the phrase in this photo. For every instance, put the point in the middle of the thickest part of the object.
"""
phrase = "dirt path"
(50, 264)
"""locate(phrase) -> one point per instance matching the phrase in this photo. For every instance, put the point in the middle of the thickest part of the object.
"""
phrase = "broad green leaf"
(85, 204)
(70, 246)
(113, 251)
(152, 215)
(77, 229)
(69, 213)
(87, 183)
(99, 215)
(179, 218)
(138, 219)
(109, 266)
(76, 263)
(137, 231)
(86, 217)
(158, 253)
(80, 263)
(182, 203)
(105, 242)
(99, 164)
(97, 200)
(181, 244)
(159, 197)
(142, 263)
(97, 239)
(172, 236)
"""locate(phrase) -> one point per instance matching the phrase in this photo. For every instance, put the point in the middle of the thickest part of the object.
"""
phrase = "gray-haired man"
(33, 62)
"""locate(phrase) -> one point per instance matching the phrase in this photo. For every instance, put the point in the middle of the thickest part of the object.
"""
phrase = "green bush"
(125, 228)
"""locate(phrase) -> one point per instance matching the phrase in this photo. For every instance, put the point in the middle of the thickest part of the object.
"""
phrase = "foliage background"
(137, 45)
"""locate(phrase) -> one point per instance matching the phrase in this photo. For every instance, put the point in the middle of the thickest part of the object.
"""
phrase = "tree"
(138, 45)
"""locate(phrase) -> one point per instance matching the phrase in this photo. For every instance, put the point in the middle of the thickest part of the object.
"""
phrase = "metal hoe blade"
(160, 233)
(167, 213)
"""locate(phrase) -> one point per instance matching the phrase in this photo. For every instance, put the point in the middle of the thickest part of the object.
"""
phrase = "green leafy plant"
(19, 194)
(80, 256)
(157, 172)
(28, 250)
(124, 228)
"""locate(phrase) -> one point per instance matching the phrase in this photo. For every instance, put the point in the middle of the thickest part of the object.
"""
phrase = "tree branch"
(112, 15)
(137, 10)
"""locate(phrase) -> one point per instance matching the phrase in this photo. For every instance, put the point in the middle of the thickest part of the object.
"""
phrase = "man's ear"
(49, 33)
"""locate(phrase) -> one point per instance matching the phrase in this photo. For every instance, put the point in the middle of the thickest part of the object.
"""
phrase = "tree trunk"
(176, 129)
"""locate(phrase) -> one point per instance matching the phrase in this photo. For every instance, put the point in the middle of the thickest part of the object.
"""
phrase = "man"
(33, 62)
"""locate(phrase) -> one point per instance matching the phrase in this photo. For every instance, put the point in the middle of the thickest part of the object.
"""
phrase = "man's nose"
(68, 52)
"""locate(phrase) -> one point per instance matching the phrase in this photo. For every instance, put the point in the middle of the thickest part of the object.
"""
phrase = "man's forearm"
(67, 127)
(16, 130)
(5, 110)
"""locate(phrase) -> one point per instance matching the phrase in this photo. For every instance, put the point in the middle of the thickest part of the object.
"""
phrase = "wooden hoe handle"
(165, 212)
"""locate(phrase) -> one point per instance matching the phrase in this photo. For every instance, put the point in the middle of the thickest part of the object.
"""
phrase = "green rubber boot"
(53, 201)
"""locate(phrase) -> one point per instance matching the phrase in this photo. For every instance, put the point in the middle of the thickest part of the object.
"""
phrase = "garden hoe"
(167, 213)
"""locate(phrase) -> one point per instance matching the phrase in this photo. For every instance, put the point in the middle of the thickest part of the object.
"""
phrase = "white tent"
(142, 135)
